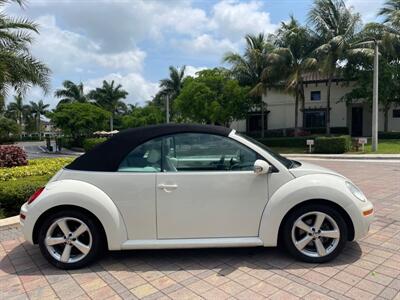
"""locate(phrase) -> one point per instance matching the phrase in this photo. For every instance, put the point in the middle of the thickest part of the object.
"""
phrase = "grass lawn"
(384, 147)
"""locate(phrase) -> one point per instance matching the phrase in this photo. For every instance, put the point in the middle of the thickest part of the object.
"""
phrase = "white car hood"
(308, 169)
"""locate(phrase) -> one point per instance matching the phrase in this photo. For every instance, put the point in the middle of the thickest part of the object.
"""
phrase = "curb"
(11, 222)
(348, 156)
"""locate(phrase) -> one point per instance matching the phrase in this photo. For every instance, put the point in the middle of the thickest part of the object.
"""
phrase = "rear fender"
(83, 195)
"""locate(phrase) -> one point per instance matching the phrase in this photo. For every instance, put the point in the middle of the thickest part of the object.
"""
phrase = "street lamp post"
(375, 108)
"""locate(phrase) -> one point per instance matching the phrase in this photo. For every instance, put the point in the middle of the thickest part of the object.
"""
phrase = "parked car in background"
(192, 186)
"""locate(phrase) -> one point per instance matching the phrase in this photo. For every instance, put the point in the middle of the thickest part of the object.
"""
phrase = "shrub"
(332, 145)
(285, 142)
(89, 144)
(15, 193)
(389, 135)
(12, 156)
(36, 167)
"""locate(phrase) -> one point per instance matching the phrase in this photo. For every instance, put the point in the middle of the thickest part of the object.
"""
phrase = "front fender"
(316, 186)
(84, 195)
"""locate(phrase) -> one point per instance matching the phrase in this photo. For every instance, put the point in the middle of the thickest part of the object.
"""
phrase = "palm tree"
(293, 58)
(71, 92)
(110, 98)
(391, 12)
(17, 109)
(18, 69)
(39, 109)
(334, 26)
(170, 87)
(248, 69)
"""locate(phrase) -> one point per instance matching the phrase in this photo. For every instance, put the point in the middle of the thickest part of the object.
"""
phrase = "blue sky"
(134, 41)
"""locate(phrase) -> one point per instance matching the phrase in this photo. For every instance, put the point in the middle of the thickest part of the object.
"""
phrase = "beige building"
(357, 117)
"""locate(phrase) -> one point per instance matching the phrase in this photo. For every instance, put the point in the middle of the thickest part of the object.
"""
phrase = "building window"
(315, 96)
(314, 118)
(396, 113)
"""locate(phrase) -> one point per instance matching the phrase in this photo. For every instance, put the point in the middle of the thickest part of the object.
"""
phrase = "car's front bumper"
(362, 217)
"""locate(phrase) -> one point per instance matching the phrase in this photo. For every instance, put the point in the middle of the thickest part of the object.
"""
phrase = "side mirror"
(261, 167)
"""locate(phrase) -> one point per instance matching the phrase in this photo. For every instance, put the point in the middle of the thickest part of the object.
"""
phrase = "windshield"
(283, 160)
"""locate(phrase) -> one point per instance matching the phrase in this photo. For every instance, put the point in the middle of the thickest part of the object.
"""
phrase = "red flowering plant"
(12, 156)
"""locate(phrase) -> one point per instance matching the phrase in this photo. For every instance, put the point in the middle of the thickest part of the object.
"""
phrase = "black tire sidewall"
(97, 239)
(330, 211)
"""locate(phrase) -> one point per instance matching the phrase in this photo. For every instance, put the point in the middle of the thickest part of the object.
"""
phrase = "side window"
(206, 152)
(144, 158)
(315, 96)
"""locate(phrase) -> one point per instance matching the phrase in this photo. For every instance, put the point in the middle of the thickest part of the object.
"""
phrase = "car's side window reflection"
(205, 152)
(144, 158)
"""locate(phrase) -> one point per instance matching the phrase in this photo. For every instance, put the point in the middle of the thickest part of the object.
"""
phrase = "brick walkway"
(366, 270)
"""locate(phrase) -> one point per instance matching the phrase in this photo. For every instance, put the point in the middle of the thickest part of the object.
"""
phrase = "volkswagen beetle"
(191, 186)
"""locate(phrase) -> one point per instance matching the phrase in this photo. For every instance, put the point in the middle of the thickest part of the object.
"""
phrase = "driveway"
(38, 150)
(366, 270)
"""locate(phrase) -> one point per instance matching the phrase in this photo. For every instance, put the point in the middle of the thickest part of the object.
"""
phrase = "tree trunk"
(296, 113)
(111, 123)
(303, 103)
(328, 106)
(38, 127)
(386, 117)
(262, 118)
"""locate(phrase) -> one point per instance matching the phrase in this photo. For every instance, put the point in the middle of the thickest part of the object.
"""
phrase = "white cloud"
(367, 8)
(206, 44)
(65, 50)
(139, 89)
(191, 70)
(234, 19)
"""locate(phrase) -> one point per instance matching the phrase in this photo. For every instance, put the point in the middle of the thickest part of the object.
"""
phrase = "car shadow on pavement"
(25, 259)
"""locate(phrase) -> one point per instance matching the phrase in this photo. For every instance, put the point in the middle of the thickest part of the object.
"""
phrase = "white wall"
(281, 107)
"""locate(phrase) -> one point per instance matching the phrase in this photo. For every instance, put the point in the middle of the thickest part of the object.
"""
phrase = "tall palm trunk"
(262, 118)
(38, 126)
(386, 118)
(328, 105)
(296, 112)
(303, 102)
(111, 122)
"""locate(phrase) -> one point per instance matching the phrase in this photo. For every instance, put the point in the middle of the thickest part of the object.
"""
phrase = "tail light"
(35, 195)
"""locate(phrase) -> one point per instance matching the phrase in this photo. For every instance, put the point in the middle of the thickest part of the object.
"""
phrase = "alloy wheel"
(315, 234)
(68, 240)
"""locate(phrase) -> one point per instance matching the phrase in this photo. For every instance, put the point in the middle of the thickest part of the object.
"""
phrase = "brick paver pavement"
(367, 269)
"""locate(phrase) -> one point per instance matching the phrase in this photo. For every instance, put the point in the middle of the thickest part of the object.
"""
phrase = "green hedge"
(89, 144)
(14, 193)
(332, 145)
(389, 135)
(291, 142)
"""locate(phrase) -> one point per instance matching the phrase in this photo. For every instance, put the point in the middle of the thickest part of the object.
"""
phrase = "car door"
(208, 188)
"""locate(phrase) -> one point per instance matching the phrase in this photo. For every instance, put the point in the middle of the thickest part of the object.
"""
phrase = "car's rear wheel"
(315, 233)
(70, 239)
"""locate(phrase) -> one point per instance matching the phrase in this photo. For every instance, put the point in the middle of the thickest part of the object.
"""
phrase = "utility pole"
(375, 107)
(167, 108)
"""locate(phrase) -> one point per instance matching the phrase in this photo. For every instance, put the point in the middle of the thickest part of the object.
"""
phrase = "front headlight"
(356, 191)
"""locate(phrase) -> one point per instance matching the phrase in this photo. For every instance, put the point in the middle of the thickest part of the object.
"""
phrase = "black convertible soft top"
(107, 156)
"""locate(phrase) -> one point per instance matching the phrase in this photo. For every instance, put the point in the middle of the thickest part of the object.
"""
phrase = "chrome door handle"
(167, 187)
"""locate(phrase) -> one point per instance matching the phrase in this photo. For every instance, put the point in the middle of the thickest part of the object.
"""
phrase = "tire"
(66, 247)
(331, 235)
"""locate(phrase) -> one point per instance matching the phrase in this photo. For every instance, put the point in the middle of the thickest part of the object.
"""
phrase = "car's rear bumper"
(27, 224)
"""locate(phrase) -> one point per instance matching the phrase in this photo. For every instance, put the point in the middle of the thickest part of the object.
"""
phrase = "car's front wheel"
(315, 233)
(70, 239)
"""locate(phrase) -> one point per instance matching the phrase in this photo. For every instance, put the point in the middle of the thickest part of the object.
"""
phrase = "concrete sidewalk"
(345, 156)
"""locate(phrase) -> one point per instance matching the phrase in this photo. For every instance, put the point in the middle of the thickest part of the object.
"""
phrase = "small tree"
(141, 116)
(79, 119)
(213, 98)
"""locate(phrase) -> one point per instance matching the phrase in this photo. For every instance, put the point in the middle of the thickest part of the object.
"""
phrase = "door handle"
(167, 187)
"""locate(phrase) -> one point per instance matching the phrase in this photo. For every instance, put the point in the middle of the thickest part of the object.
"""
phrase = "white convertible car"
(192, 186)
